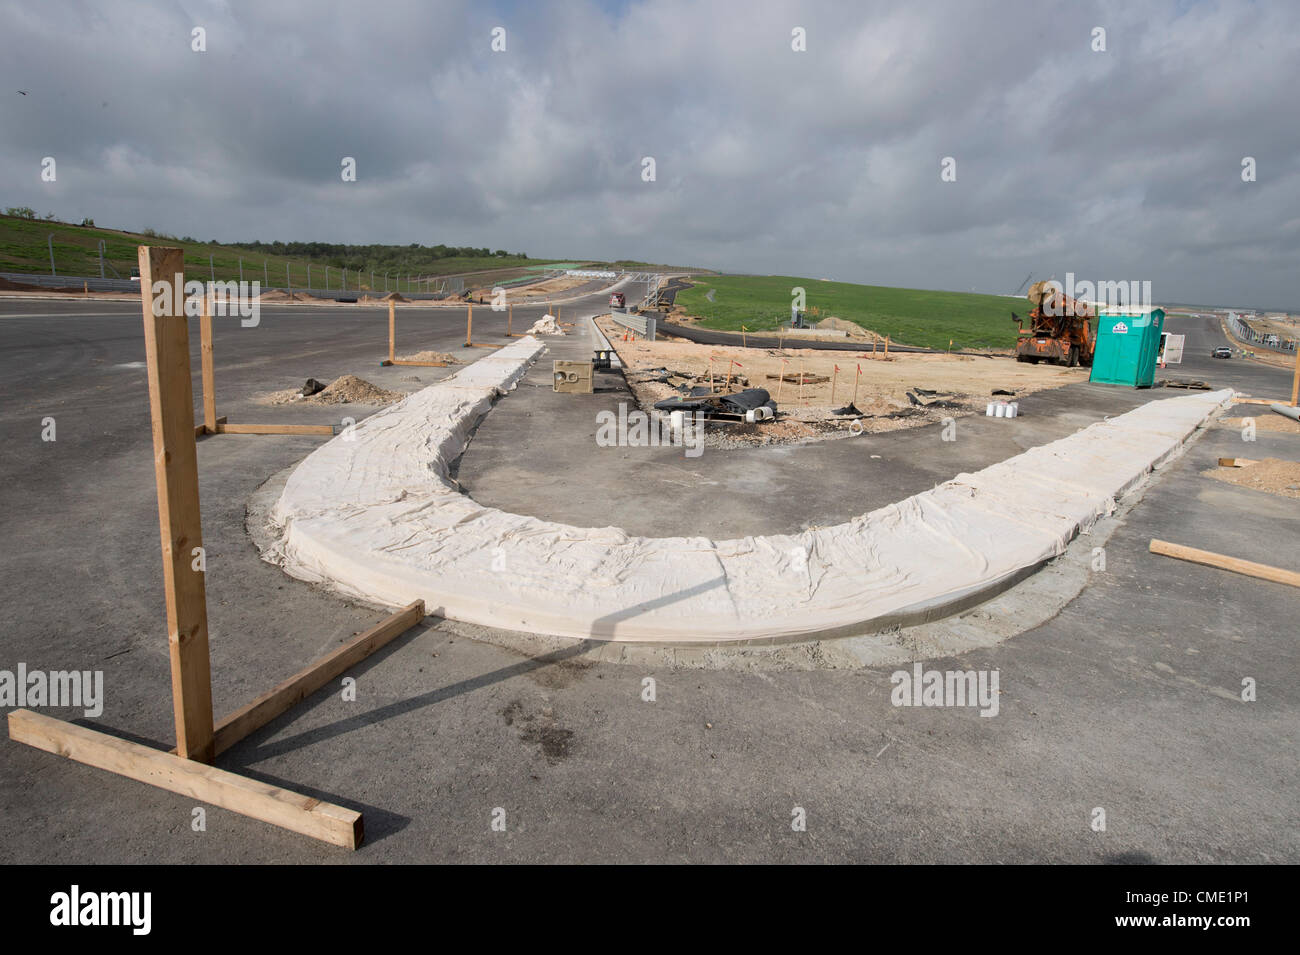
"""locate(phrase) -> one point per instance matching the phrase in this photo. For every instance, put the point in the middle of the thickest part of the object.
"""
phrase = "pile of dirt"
(445, 357)
(277, 296)
(852, 329)
(1271, 475)
(348, 389)
(546, 325)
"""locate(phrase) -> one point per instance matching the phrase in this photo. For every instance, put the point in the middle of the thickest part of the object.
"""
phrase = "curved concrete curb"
(378, 517)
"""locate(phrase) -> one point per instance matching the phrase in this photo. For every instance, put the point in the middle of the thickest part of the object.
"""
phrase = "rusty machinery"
(1060, 328)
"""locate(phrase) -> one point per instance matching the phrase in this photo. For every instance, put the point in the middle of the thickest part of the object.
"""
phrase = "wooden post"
(209, 375)
(834, 376)
(1295, 379)
(392, 331)
(856, 378)
(780, 382)
(743, 344)
(176, 470)
(510, 320)
(886, 348)
(469, 326)
(801, 381)
(712, 388)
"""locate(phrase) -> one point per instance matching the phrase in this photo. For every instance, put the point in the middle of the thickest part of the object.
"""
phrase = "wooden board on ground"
(1224, 562)
(269, 803)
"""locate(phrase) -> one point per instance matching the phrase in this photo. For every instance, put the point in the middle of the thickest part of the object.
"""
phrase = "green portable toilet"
(1128, 343)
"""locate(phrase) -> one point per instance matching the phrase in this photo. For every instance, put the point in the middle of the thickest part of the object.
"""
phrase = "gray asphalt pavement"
(1127, 700)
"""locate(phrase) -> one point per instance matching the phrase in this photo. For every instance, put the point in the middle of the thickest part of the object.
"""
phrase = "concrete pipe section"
(374, 514)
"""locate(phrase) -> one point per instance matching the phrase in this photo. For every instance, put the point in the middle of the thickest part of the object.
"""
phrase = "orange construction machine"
(1060, 328)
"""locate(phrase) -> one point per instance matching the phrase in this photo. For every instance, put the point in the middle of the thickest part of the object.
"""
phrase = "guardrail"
(643, 325)
(1241, 330)
(77, 282)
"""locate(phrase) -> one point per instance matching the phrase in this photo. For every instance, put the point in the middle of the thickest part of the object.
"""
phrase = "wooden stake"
(392, 332)
(801, 381)
(209, 376)
(510, 319)
(1224, 562)
(269, 802)
(176, 471)
(834, 375)
(469, 326)
(886, 348)
(712, 388)
(743, 343)
(1295, 380)
(856, 378)
(780, 381)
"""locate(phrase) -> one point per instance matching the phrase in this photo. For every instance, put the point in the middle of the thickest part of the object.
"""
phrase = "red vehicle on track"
(617, 300)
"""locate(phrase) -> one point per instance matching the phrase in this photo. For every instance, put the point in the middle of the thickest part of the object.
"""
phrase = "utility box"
(572, 377)
(1128, 344)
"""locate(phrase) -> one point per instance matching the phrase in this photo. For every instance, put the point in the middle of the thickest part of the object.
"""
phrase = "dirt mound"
(277, 296)
(348, 389)
(1271, 475)
(441, 356)
(394, 297)
(852, 329)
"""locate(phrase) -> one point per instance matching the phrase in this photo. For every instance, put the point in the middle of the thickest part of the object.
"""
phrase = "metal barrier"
(1242, 331)
(72, 282)
(643, 325)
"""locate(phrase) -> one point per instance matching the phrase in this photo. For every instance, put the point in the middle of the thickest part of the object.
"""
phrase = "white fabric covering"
(377, 517)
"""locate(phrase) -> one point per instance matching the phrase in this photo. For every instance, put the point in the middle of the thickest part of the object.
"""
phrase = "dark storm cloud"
(1116, 165)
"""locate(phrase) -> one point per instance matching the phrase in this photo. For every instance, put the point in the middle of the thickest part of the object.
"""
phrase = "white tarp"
(377, 517)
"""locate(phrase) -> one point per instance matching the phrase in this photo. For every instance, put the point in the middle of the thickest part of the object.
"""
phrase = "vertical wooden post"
(209, 376)
(780, 382)
(834, 378)
(392, 330)
(469, 326)
(800, 381)
(1295, 380)
(510, 320)
(854, 402)
(176, 470)
(886, 348)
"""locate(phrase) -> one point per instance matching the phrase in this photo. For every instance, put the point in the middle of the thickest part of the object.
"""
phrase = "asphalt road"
(1128, 699)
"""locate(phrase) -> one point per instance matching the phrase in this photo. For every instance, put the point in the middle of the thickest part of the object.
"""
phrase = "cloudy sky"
(1116, 165)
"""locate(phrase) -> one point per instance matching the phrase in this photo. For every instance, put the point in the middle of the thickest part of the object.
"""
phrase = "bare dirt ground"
(541, 289)
(1264, 421)
(905, 391)
(348, 389)
(1271, 475)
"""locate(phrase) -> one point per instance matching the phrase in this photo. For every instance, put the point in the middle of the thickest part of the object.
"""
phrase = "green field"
(23, 248)
(907, 316)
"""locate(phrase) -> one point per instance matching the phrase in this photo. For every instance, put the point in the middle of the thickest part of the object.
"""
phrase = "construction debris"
(546, 325)
(1270, 475)
(750, 405)
(348, 389)
(807, 379)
